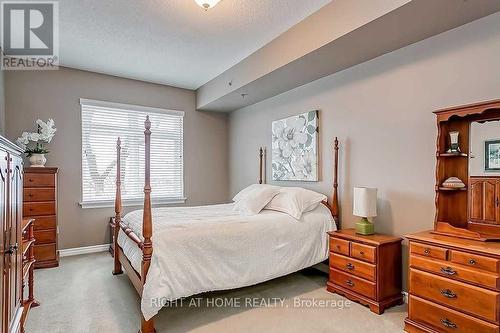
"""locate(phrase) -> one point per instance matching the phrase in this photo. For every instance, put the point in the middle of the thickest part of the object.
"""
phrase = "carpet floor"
(82, 296)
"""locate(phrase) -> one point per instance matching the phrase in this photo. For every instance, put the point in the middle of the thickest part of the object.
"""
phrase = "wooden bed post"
(261, 156)
(118, 209)
(335, 200)
(147, 326)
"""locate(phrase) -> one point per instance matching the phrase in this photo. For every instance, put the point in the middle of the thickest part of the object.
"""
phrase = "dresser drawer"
(363, 252)
(443, 319)
(45, 222)
(39, 194)
(339, 246)
(464, 297)
(39, 180)
(353, 266)
(428, 251)
(45, 252)
(45, 236)
(355, 284)
(39, 208)
(475, 261)
(456, 272)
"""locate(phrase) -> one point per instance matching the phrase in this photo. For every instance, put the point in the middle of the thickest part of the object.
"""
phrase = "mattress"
(208, 248)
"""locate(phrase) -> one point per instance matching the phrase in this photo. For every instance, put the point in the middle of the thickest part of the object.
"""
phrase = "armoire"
(11, 246)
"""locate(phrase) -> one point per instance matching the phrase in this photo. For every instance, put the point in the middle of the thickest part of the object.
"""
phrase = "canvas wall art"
(492, 155)
(295, 148)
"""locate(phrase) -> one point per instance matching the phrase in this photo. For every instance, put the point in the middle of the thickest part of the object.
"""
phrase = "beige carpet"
(82, 296)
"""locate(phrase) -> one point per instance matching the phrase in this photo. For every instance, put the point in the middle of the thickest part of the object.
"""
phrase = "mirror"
(484, 172)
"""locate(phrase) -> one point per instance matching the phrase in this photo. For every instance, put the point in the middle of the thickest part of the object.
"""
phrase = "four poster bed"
(200, 249)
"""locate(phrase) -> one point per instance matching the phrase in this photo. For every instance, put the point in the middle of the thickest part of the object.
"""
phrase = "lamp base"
(364, 227)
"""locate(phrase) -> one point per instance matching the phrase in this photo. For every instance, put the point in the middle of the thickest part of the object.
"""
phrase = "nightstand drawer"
(39, 180)
(353, 266)
(363, 252)
(339, 246)
(348, 281)
(457, 295)
(475, 261)
(446, 320)
(45, 236)
(39, 208)
(39, 194)
(428, 251)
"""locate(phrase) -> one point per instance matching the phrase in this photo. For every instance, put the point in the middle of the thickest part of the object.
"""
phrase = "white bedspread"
(207, 248)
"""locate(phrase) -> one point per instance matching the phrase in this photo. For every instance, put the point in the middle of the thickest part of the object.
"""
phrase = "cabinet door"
(15, 186)
(476, 200)
(3, 241)
(490, 198)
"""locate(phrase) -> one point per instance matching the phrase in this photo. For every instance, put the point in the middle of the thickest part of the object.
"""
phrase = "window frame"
(135, 202)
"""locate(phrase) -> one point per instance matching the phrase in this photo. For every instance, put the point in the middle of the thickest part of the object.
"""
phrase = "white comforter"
(207, 248)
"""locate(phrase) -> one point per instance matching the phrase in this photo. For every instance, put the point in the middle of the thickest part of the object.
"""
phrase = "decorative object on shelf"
(454, 148)
(365, 205)
(492, 155)
(207, 4)
(453, 182)
(32, 142)
(295, 147)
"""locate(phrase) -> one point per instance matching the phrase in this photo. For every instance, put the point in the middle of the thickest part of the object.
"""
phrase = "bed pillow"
(295, 201)
(255, 200)
(247, 190)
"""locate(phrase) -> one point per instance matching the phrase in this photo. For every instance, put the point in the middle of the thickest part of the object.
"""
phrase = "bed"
(209, 248)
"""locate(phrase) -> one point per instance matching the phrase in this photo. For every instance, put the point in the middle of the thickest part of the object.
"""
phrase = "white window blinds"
(102, 124)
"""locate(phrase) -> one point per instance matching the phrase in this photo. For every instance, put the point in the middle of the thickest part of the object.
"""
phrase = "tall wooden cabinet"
(40, 203)
(484, 200)
(11, 189)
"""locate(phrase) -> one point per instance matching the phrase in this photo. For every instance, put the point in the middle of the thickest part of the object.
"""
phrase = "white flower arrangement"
(45, 132)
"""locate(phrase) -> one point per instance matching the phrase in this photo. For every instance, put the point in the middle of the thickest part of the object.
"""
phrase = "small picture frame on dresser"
(366, 269)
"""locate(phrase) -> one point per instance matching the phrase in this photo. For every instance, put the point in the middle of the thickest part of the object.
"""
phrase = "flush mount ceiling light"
(207, 4)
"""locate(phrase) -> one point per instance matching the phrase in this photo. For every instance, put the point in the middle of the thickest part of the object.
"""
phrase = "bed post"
(335, 200)
(261, 156)
(147, 326)
(118, 210)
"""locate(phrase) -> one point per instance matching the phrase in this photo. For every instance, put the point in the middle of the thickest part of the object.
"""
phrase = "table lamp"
(365, 205)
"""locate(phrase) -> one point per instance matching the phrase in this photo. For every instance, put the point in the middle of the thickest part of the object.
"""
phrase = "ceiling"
(172, 42)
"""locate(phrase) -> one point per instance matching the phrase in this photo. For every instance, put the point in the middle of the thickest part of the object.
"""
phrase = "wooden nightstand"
(366, 269)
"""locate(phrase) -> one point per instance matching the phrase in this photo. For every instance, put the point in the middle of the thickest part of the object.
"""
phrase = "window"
(102, 124)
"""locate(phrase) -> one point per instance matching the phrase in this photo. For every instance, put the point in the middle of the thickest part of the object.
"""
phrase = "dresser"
(454, 284)
(40, 203)
(366, 269)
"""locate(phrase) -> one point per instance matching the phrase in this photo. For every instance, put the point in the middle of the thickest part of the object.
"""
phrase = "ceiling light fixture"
(207, 4)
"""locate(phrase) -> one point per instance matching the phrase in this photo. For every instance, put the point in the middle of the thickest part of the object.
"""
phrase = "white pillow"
(295, 201)
(255, 200)
(247, 190)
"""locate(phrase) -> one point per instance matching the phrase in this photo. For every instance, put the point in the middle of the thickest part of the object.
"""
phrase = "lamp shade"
(365, 202)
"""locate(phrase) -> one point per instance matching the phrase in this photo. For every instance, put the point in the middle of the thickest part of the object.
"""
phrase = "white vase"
(38, 160)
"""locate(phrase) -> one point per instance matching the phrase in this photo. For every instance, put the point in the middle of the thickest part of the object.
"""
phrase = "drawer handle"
(448, 271)
(448, 293)
(427, 251)
(472, 262)
(350, 266)
(349, 283)
(338, 247)
(361, 253)
(448, 323)
(30, 180)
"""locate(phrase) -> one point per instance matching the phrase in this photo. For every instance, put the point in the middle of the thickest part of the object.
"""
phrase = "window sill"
(131, 203)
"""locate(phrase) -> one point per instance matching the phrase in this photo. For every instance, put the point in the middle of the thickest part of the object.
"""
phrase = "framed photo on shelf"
(492, 155)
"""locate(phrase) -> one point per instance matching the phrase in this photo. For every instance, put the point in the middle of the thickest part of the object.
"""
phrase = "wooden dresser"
(366, 269)
(454, 285)
(40, 203)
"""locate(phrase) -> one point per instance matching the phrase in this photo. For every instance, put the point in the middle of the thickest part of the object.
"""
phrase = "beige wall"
(382, 113)
(479, 134)
(55, 94)
(2, 100)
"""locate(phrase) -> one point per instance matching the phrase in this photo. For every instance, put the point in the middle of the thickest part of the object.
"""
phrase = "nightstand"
(366, 269)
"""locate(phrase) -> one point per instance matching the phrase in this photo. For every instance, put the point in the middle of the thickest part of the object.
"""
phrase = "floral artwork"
(295, 148)
(492, 155)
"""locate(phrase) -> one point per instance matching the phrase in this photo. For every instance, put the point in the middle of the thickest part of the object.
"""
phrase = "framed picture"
(295, 147)
(492, 155)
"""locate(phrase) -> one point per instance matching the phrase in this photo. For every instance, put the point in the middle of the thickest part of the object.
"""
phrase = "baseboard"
(84, 250)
